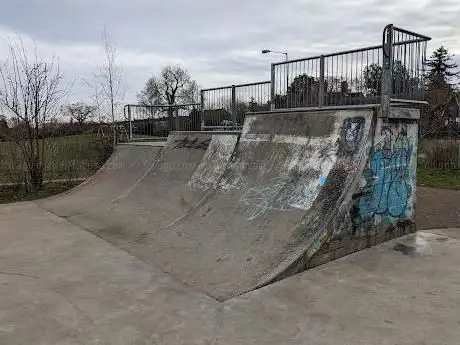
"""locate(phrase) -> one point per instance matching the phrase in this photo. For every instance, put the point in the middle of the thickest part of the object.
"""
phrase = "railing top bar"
(423, 37)
(417, 40)
(354, 51)
(162, 106)
(296, 60)
(344, 52)
(216, 88)
(254, 84)
(237, 85)
(329, 55)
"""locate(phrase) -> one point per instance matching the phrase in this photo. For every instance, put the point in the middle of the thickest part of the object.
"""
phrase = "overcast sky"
(218, 42)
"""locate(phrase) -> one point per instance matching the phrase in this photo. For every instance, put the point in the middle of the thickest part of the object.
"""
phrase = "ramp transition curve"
(229, 215)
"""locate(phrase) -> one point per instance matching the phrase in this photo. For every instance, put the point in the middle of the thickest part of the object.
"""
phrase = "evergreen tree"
(442, 70)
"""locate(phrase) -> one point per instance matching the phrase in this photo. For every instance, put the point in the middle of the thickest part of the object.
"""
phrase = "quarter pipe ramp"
(296, 189)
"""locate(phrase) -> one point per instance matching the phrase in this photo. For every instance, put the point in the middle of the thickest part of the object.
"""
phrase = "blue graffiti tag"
(322, 180)
(388, 186)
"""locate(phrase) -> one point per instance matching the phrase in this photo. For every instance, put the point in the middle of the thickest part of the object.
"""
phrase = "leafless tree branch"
(29, 94)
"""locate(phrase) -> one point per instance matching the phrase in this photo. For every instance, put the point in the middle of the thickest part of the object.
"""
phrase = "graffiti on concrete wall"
(351, 135)
(192, 143)
(389, 178)
(275, 195)
(298, 191)
(293, 191)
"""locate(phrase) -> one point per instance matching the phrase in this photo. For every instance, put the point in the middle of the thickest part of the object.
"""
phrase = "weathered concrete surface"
(164, 193)
(124, 168)
(62, 285)
(298, 189)
(283, 183)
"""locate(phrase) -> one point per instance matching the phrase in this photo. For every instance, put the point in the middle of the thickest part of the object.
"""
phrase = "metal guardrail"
(225, 107)
(326, 80)
(392, 70)
(156, 121)
(407, 59)
(377, 75)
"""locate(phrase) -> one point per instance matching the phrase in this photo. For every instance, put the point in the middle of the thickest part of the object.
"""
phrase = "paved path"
(437, 208)
(60, 284)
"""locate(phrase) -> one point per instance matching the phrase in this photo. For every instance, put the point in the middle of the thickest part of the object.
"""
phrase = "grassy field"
(68, 157)
(438, 178)
(72, 157)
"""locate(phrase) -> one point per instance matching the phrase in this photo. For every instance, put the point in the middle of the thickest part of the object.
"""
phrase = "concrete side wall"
(383, 202)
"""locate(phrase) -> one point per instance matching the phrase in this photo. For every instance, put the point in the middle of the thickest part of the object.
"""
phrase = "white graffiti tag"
(281, 194)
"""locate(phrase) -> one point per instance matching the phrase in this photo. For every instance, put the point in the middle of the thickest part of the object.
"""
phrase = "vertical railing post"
(202, 109)
(234, 110)
(288, 103)
(130, 121)
(321, 82)
(176, 119)
(272, 88)
(387, 70)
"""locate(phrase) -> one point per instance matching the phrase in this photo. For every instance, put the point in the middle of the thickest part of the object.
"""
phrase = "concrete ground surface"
(60, 284)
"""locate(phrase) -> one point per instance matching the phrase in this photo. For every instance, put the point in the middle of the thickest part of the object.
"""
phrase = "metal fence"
(352, 77)
(225, 107)
(404, 61)
(155, 121)
(389, 72)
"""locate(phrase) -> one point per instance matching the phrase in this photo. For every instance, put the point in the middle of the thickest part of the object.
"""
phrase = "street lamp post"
(268, 51)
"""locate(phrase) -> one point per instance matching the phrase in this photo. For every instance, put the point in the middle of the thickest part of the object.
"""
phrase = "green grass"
(438, 178)
(67, 157)
(79, 156)
(17, 193)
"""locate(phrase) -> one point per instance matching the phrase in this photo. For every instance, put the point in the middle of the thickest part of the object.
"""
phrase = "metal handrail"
(420, 36)
(163, 105)
(237, 86)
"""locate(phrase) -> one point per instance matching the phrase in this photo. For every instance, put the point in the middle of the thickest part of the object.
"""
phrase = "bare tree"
(173, 85)
(29, 94)
(108, 86)
(79, 111)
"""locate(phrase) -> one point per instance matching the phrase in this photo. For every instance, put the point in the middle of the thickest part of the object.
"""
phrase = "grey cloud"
(220, 41)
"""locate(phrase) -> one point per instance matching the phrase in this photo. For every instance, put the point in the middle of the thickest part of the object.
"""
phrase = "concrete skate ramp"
(274, 204)
(187, 167)
(125, 167)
